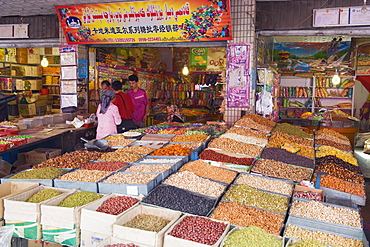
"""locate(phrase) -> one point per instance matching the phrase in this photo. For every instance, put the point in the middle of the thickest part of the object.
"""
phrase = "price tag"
(132, 190)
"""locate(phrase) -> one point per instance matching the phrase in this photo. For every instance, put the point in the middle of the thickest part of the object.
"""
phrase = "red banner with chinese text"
(146, 21)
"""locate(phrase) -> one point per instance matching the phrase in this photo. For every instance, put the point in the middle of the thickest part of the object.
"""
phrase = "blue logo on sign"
(73, 22)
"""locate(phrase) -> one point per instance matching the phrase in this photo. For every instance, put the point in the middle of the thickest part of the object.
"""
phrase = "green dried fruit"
(308, 243)
(43, 195)
(252, 236)
(41, 173)
(245, 194)
(79, 199)
(147, 222)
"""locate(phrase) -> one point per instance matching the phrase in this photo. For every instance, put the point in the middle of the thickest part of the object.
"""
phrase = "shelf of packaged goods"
(50, 75)
(332, 107)
(54, 65)
(52, 85)
(21, 77)
(334, 97)
(295, 97)
(54, 94)
(286, 108)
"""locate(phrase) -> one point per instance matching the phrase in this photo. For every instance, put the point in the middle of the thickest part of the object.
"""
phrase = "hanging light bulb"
(364, 9)
(336, 79)
(44, 62)
(185, 70)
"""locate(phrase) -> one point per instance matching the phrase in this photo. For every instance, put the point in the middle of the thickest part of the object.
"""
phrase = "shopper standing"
(104, 86)
(125, 108)
(108, 115)
(140, 100)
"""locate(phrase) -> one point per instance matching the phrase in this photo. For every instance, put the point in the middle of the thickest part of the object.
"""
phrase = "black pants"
(126, 125)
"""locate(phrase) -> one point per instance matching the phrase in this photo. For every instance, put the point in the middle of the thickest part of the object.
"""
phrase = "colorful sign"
(238, 81)
(198, 57)
(146, 21)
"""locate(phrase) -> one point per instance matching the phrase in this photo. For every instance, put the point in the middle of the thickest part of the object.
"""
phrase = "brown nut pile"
(248, 132)
(331, 132)
(340, 172)
(190, 181)
(232, 146)
(190, 138)
(318, 211)
(267, 184)
(325, 136)
(84, 176)
(333, 144)
(249, 123)
(344, 186)
(259, 119)
(281, 170)
(136, 150)
(293, 138)
(245, 139)
(118, 141)
(130, 178)
(293, 231)
(241, 215)
(203, 169)
(120, 156)
(105, 166)
(215, 155)
(149, 168)
(71, 160)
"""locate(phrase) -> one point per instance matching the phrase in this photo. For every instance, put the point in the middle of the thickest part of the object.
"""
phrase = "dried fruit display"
(248, 132)
(199, 229)
(215, 155)
(252, 236)
(319, 211)
(147, 222)
(287, 157)
(180, 199)
(249, 123)
(291, 130)
(174, 150)
(117, 205)
(203, 169)
(241, 215)
(344, 186)
(341, 172)
(233, 146)
(327, 150)
(281, 170)
(278, 142)
(292, 138)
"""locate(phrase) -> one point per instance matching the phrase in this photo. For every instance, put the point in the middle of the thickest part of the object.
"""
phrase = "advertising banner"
(146, 21)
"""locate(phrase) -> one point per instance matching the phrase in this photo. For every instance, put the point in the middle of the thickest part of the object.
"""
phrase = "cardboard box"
(97, 222)
(111, 241)
(19, 84)
(92, 239)
(39, 243)
(25, 229)
(5, 168)
(10, 189)
(58, 235)
(11, 55)
(170, 241)
(62, 217)
(27, 109)
(303, 188)
(39, 155)
(138, 236)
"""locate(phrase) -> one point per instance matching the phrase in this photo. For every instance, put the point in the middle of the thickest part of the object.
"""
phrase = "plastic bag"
(6, 233)
(264, 103)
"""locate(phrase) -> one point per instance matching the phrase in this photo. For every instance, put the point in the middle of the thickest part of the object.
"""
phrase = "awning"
(365, 80)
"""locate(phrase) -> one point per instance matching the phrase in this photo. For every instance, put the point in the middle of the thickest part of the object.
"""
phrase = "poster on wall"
(238, 80)
(216, 58)
(312, 56)
(146, 21)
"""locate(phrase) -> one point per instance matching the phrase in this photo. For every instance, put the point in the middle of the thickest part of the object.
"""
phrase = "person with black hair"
(140, 100)
(125, 107)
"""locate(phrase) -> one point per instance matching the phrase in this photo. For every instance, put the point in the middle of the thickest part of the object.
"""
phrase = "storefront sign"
(238, 81)
(146, 21)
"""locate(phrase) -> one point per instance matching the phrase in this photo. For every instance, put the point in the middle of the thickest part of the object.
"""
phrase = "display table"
(66, 139)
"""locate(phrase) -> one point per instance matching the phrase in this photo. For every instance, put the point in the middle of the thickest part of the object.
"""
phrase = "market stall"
(240, 177)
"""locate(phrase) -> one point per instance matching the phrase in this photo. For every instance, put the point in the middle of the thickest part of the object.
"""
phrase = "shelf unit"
(298, 95)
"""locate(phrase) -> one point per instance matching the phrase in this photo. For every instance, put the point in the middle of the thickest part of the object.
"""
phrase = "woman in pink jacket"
(108, 116)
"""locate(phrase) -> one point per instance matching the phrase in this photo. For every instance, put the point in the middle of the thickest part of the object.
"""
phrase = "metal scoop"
(94, 143)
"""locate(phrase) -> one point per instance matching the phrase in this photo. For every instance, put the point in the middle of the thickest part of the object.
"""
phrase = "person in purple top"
(140, 100)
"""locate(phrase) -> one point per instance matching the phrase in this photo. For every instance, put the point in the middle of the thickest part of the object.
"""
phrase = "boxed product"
(39, 155)
(62, 224)
(98, 222)
(25, 216)
(10, 189)
(27, 109)
(150, 238)
(5, 168)
(21, 55)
